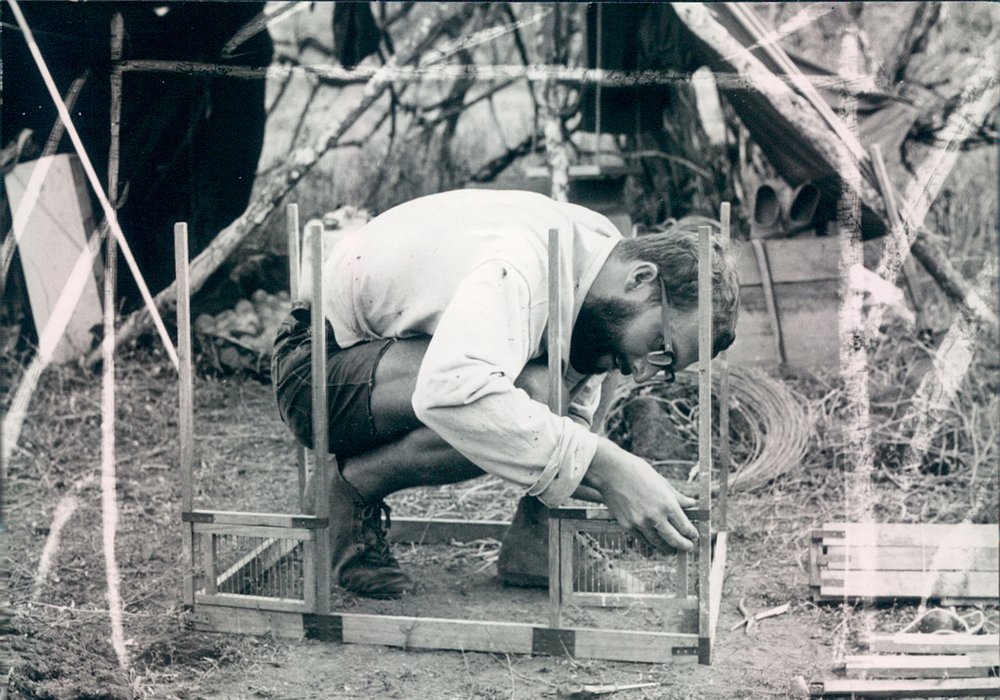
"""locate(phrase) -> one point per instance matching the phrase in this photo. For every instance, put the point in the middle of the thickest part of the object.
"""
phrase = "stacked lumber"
(921, 665)
(956, 564)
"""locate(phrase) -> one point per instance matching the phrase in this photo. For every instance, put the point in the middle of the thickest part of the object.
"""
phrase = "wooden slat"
(898, 558)
(185, 416)
(317, 490)
(879, 688)
(717, 577)
(567, 540)
(446, 530)
(596, 514)
(211, 618)
(209, 551)
(294, 272)
(555, 572)
(284, 533)
(704, 544)
(910, 584)
(620, 645)
(919, 666)
(277, 520)
(933, 643)
(435, 633)
(555, 342)
(725, 459)
(256, 602)
(449, 634)
(909, 534)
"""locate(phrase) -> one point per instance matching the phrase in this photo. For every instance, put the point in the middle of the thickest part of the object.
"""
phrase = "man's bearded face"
(598, 342)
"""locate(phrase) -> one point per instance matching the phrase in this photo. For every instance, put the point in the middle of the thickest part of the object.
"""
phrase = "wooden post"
(555, 343)
(725, 459)
(704, 441)
(555, 571)
(186, 400)
(294, 271)
(554, 338)
(320, 481)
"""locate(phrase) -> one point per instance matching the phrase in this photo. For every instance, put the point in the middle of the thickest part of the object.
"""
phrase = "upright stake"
(294, 270)
(186, 400)
(725, 458)
(704, 441)
(320, 480)
(109, 498)
(555, 343)
(554, 339)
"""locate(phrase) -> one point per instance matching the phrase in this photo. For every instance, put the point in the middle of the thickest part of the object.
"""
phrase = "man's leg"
(412, 455)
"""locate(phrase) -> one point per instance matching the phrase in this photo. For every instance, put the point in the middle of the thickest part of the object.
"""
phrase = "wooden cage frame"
(310, 616)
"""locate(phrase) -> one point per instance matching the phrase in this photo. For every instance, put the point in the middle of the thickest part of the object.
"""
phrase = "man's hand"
(640, 499)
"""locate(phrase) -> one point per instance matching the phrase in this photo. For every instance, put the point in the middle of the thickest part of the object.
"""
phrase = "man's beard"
(598, 335)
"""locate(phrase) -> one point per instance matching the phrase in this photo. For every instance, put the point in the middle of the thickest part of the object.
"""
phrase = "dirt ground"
(59, 632)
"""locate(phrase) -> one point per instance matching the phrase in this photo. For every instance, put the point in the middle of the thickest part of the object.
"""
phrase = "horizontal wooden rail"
(458, 635)
(232, 517)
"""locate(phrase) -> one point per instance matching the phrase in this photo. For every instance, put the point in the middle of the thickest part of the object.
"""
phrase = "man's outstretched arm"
(640, 499)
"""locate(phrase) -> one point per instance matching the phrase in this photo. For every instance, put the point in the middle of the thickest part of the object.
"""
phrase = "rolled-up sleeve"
(465, 389)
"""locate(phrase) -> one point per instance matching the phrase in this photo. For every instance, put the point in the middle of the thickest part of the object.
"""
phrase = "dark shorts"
(350, 376)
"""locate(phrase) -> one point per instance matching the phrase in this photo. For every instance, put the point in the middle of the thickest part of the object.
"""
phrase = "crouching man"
(437, 317)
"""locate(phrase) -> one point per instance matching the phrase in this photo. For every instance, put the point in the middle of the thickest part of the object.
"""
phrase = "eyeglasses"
(664, 359)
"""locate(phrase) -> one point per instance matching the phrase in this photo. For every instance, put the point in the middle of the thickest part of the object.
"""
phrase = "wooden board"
(451, 634)
(910, 584)
(921, 665)
(277, 520)
(50, 206)
(916, 643)
(898, 558)
(908, 535)
(879, 688)
(716, 578)
(255, 602)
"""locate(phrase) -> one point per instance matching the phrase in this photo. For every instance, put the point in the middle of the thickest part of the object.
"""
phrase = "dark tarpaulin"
(189, 145)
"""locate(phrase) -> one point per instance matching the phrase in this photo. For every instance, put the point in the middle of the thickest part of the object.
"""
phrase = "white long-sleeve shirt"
(470, 269)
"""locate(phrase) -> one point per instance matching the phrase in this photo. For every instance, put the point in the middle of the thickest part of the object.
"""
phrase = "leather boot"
(359, 545)
(524, 556)
(524, 552)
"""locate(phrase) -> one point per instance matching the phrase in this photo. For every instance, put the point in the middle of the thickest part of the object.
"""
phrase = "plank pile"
(919, 665)
(956, 564)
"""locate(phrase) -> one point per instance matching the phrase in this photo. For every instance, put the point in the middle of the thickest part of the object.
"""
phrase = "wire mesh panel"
(265, 568)
(606, 566)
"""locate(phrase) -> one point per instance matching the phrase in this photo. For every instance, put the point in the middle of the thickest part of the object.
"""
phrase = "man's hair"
(673, 247)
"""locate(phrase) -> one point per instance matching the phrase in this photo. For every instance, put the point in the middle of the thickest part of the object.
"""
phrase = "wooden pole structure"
(186, 401)
(294, 271)
(320, 477)
(285, 178)
(725, 458)
(704, 441)
(109, 497)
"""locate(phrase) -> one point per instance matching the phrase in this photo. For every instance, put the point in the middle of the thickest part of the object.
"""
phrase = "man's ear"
(641, 273)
